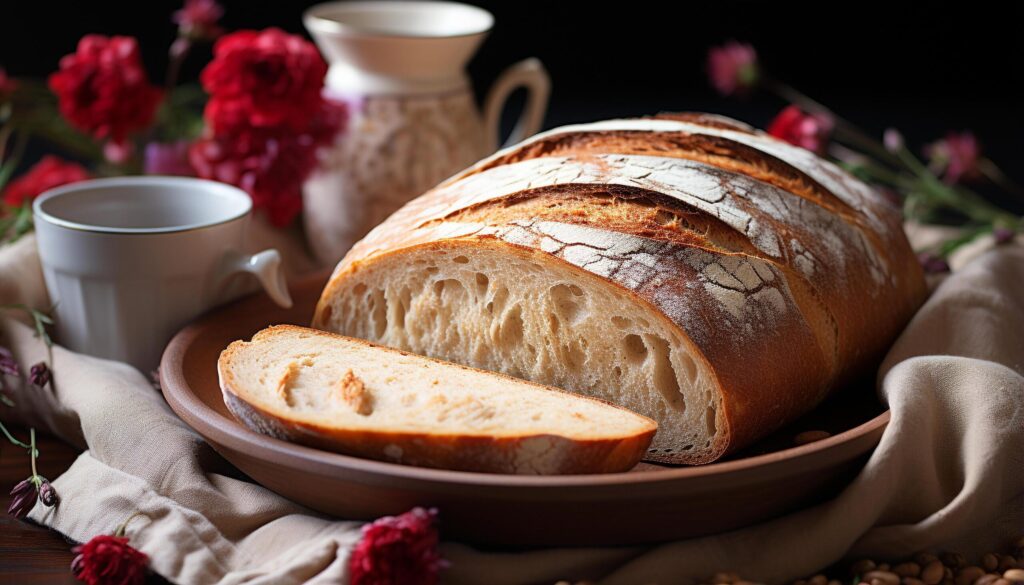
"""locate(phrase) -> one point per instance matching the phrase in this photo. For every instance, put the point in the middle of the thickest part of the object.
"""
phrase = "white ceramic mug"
(128, 261)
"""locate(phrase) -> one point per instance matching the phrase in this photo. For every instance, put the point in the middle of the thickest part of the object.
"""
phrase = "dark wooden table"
(29, 553)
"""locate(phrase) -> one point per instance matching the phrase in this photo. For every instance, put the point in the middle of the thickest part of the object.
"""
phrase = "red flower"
(398, 550)
(198, 19)
(7, 84)
(260, 79)
(732, 67)
(108, 560)
(48, 173)
(102, 88)
(810, 131)
(956, 157)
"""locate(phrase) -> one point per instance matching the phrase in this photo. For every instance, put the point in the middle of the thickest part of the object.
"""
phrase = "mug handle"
(529, 73)
(266, 267)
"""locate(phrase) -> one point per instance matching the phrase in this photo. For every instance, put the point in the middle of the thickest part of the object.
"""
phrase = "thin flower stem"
(123, 527)
(997, 176)
(844, 128)
(33, 452)
(11, 438)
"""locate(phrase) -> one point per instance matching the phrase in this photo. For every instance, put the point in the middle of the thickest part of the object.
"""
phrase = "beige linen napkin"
(946, 474)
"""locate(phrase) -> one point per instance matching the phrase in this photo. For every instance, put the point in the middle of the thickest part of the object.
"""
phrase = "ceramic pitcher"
(400, 67)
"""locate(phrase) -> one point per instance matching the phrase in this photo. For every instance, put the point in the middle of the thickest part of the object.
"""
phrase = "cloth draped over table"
(948, 473)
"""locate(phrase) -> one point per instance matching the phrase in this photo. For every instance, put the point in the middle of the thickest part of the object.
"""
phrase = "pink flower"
(102, 88)
(955, 157)
(733, 68)
(48, 173)
(398, 550)
(198, 19)
(810, 131)
(7, 84)
(168, 158)
(933, 263)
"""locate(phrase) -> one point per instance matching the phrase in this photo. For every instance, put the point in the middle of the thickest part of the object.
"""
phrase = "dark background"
(925, 68)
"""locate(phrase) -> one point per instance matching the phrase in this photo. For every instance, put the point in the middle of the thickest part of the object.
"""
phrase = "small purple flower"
(23, 498)
(1003, 235)
(8, 366)
(169, 158)
(40, 375)
(956, 157)
(933, 263)
(48, 495)
(893, 140)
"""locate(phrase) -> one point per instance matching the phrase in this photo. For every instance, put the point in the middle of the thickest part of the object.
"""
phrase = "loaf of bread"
(354, 397)
(686, 266)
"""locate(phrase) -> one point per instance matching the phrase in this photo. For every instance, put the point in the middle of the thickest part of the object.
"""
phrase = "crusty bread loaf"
(686, 266)
(354, 397)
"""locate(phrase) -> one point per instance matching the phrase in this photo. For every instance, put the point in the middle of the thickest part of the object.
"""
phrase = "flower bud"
(893, 140)
(48, 495)
(40, 375)
(1003, 235)
(23, 498)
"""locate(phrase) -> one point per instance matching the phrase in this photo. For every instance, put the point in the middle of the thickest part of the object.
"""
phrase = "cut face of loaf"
(719, 281)
(350, 396)
(497, 308)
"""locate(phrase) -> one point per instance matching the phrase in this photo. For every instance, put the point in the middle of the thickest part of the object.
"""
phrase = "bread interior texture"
(500, 308)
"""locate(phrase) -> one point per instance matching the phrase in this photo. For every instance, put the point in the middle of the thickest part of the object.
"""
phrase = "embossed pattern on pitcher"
(396, 148)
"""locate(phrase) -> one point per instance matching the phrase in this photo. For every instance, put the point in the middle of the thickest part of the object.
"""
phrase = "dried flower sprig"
(930, 193)
(35, 487)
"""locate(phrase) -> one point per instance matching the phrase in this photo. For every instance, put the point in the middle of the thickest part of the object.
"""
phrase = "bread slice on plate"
(354, 397)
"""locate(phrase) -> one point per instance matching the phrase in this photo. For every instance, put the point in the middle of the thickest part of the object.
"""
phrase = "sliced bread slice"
(354, 397)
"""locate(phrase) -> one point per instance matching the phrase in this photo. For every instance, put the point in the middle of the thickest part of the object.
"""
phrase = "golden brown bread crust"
(480, 453)
(696, 192)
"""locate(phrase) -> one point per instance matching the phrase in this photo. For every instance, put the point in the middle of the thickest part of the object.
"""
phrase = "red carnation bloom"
(398, 550)
(260, 79)
(810, 131)
(102, 88)
(732, 67)
(109, 560)
(956, 157)
(46, 174)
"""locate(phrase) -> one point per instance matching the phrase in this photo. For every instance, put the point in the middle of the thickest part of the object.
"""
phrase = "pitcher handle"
(266, 267)
(529, 73)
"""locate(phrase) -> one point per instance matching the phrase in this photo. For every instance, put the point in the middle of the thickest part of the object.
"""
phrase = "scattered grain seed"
(953, 560)
(862, 566)
(912, 581)
(990, 562)
(907, 569)
(818, 579)
(1016, 575)
(1007, 562)
(986, 579)
(1002, 582)
(968, 575)
(933, 572)
(923, 558)
(884, 576)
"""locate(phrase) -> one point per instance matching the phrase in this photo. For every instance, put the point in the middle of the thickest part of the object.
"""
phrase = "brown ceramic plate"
(648, 504)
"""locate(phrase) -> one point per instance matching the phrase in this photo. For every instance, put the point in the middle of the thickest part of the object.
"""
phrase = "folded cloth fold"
(947, 472)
